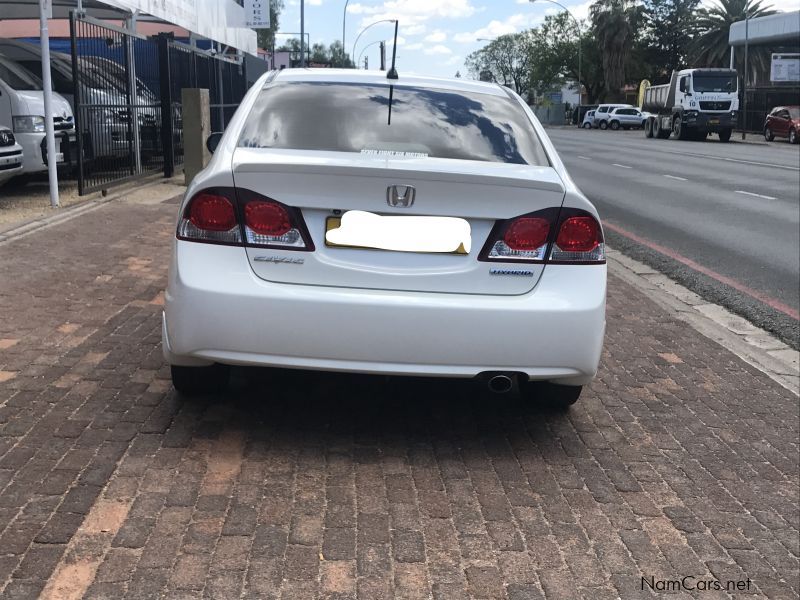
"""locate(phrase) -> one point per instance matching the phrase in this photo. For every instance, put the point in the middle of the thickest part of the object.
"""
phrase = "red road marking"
(768, 300)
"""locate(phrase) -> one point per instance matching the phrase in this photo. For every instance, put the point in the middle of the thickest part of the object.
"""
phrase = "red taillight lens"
(210, 216)
(211, 212)
(527, 234)
(267, 218)
(579, 234)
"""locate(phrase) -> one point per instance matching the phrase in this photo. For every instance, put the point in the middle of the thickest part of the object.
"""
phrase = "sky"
(435, 35)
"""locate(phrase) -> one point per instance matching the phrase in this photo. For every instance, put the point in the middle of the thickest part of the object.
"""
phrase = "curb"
(753, 345)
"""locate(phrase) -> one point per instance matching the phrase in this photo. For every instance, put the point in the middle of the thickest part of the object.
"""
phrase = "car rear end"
(420, 228)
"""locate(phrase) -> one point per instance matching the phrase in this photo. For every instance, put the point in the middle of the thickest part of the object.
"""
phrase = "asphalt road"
(723, 219)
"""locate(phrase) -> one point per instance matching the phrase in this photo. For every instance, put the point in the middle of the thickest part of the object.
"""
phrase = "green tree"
(506, 60)
(614, 27)
(554, 60)
(710, 47)
(266, 37)
(320, 54)
(668, 34)
(338, 56)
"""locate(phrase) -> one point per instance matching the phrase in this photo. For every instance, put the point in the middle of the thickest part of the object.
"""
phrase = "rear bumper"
(217, 310)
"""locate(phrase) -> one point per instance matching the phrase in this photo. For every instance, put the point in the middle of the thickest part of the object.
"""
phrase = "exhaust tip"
(500, 384)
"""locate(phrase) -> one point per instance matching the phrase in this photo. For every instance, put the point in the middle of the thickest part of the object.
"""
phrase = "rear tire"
(768, 135)
(648, 128)
(553, 396)
(587, 125)
(793, 139)
(614, 125)
(603, 125)
(725, 135)
(198, 381)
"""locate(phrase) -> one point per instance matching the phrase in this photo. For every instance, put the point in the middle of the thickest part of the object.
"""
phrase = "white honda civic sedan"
(412, 226)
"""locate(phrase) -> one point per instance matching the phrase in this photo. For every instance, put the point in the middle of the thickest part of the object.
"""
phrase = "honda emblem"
(401, 196)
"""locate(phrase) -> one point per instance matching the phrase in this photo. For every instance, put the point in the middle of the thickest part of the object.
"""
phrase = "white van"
(22, 107)
(602, 112)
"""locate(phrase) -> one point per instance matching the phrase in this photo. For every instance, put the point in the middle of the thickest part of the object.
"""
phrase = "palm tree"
(615, 23)
(710, 47)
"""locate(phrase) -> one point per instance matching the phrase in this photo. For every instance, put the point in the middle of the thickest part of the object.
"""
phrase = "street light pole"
(302, 34)
(744, 79)
(580, 52)
(344, 35)
(367, 27)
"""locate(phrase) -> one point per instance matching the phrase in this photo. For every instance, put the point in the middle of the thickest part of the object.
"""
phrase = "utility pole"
(366, 62)
(383, 56)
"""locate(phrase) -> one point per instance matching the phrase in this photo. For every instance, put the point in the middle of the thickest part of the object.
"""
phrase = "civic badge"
(401, 196)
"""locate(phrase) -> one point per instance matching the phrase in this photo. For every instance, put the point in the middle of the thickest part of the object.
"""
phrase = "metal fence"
(184, 66)
(127, 99)
(118, 117)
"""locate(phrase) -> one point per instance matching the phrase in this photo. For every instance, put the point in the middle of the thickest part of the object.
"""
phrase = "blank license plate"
(430, 235)
(713, 121)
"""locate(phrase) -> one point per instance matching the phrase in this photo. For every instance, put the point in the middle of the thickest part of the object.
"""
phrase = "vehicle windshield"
(390, 120)
(18, 78)
(61, 83)
(794, 112)
(714, 83)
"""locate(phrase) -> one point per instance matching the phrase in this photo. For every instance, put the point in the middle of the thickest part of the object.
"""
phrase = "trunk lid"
(326, 185)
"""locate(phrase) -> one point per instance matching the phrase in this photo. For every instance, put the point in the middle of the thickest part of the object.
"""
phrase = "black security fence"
(761, 100)
(184, 66)
(127, 99)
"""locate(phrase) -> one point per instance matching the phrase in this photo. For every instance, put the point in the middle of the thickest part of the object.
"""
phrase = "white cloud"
(494, 29)
(438, 49)
(436, 37)
(414, 46)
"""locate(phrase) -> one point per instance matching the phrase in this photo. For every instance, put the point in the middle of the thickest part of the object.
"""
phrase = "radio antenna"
(393, 71)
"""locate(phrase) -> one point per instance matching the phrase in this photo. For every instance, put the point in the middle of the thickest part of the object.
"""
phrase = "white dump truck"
(693, 104)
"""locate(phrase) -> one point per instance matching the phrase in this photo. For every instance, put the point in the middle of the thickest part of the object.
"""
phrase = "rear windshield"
(368, 119)
(794, 112)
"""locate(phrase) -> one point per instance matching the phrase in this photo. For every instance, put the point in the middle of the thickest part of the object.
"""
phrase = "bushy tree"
(669, 25)
(507, 60)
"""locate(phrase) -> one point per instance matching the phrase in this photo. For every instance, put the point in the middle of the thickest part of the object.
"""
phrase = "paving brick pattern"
(680, 460)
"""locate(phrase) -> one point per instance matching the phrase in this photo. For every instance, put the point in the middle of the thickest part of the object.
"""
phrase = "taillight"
(271, 224)
(241, 217)
(210, 216)
(566, 235)
(579, 239)
(522, 239)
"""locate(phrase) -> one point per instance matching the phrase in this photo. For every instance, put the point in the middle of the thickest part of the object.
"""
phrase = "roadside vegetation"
(622, 42)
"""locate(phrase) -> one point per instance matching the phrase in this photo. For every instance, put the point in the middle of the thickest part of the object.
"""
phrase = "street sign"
(256, 14)
(785, 67)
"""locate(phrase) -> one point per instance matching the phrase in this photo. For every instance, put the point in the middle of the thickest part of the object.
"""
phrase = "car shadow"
(312, 404)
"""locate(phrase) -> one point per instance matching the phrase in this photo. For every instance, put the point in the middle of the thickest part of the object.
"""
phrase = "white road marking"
(676, 177)
(584, 157)
(756, 195)
(621, 166)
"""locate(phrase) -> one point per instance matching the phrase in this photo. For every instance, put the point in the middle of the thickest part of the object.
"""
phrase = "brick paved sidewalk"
(679, 460)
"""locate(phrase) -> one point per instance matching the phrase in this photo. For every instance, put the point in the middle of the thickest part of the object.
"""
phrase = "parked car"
(341, 247)
(103, 97)
(626, 118)
(601, 114)
(783, 121)
(10, 155)
(22, 105)
(588, 119)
